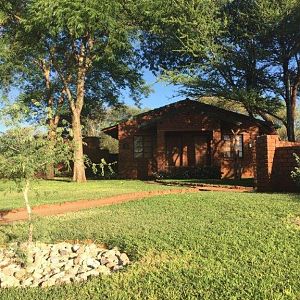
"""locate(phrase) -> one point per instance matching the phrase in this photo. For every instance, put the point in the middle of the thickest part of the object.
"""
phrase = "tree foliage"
(96, 119)
(295, 174)
(251, 54)
(24, 153)
(281, 21)
(180, 33)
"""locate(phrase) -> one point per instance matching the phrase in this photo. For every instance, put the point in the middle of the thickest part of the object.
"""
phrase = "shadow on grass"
(247, 182)
(292, 196)
(8, 235)
(60, 179)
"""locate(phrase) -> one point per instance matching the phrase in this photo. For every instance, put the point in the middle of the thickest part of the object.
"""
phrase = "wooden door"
(174, 150)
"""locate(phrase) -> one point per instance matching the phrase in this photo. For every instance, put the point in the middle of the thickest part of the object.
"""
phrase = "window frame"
(232, 150)
(145, 139)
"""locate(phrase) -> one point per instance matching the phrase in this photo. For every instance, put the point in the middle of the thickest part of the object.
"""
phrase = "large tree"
(240, 73)
(251, 55)
(281, 41)
(90, 45)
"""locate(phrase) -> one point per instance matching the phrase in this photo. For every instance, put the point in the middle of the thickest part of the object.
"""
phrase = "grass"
(247, 182)
(209, 245)
(57, 191)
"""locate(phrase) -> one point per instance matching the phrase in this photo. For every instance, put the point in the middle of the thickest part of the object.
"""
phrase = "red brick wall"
(274, 163)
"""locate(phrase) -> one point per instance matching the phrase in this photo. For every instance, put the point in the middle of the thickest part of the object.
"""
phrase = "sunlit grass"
(209, 245)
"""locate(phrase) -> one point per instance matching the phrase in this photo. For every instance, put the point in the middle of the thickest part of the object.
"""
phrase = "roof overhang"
(111, 131)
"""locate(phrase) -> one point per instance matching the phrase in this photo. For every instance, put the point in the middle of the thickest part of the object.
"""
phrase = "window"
(233, 144)
(142, 146)
(125, 146)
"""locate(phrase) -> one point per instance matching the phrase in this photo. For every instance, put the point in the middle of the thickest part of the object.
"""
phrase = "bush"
(296, 173)
(102, 170)
(207, 172)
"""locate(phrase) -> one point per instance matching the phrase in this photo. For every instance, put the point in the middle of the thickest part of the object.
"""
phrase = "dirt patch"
(61, 208)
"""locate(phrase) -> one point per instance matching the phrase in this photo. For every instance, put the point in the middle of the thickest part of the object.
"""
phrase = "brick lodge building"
(187, 135)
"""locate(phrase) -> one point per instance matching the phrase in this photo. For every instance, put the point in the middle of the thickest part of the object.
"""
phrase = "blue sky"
(162, 94)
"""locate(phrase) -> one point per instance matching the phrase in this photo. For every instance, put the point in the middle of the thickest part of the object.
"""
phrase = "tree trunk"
(293, 103)
(291, 113)
(53, 112)
(290, 107)
(79, 169)
(28, 208)
(290, 116)
(50, 172)
(76, 105)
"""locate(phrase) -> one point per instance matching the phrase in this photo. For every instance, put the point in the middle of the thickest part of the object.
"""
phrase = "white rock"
(63, 252)
(48, 283)
(124, 259)
(9, 281)
(37, 275)
(20, 274)
(10, 270)
(93, 263)
(103, 261)
(75, 248)
(60, 263)
(27, 282)
(58, 275)
(54, 260)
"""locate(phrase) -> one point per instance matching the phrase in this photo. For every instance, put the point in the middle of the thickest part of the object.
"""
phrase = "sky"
(162, 94)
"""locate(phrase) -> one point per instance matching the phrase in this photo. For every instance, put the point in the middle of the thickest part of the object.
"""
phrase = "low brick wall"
(274, 163)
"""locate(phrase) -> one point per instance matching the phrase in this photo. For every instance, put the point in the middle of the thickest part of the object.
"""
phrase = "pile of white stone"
(53, 264)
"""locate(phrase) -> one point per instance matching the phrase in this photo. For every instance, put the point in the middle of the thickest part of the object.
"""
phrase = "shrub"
(295, 174)
(206, 172)
(25, 153)
(103, 169)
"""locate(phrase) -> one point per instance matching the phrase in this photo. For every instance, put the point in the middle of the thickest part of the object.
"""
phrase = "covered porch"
(188, 149)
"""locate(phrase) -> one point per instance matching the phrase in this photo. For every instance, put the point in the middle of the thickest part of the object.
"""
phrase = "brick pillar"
(160, 152)
(265, 150)
(254, 159)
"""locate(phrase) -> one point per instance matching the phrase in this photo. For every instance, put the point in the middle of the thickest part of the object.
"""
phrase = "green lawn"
(209, 245)
(56, 191)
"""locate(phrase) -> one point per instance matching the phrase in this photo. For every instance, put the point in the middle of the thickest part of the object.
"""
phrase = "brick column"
(254, 163)
(265, 150)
